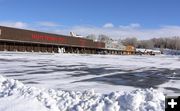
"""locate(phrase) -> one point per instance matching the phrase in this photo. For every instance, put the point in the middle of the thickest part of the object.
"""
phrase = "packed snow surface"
(15, 96)
(103, 73)
(64, 82)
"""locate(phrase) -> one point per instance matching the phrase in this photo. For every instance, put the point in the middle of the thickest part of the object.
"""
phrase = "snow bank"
(58, 100)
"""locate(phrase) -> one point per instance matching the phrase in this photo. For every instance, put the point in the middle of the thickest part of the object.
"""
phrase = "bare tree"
(103, 38)
(130, 41)
(91, 37)
(161, 43)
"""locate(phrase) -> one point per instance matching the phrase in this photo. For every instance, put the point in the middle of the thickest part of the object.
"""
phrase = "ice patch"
(59, 100)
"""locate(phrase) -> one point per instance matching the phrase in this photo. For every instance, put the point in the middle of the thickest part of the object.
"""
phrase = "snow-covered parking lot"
(102, 73)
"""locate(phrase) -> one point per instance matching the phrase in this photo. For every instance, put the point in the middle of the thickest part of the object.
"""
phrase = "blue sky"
(117, 18)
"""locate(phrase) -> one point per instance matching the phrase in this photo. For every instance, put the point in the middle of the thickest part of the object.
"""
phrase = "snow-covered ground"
(15, 96)
(105, 74)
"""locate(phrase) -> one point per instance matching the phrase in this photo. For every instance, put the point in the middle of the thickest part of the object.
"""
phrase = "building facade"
(13, 39)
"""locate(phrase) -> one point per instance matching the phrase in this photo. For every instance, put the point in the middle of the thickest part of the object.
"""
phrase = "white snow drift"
(15, 96)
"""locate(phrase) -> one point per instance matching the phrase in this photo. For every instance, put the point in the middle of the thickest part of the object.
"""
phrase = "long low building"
(13, 39)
